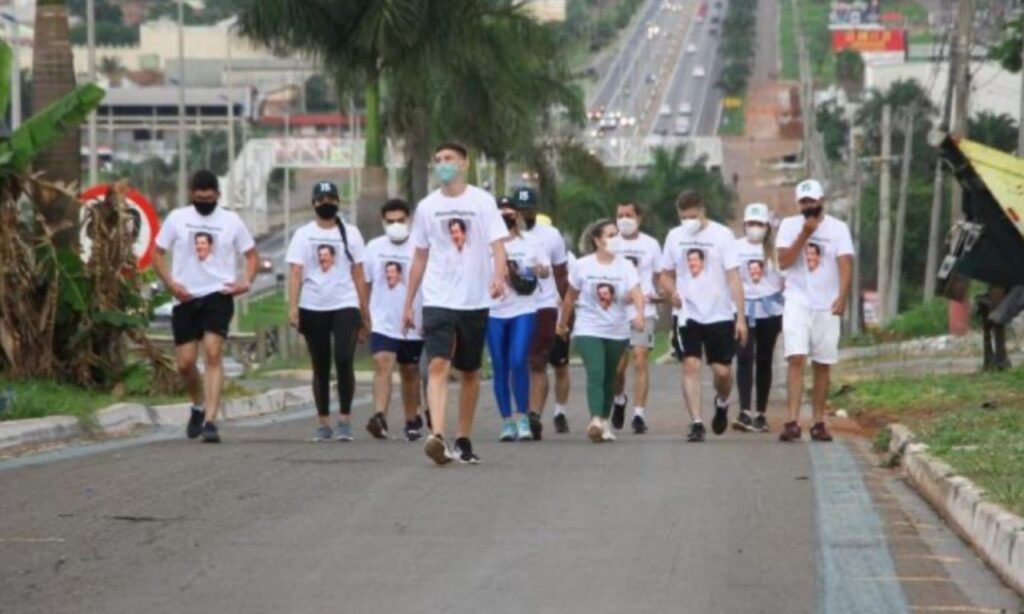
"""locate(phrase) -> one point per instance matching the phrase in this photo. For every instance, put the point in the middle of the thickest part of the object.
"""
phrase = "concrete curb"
(995, 534)
(123, 418)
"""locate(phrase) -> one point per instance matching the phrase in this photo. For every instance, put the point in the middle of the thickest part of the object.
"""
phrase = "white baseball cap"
(810, 188)
(757, 212)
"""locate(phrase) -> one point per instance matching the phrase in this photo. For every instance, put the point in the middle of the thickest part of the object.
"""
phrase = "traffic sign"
(145, 223)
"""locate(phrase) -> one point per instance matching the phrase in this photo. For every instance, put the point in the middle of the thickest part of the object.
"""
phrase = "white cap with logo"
(810, 188)
(757, 212)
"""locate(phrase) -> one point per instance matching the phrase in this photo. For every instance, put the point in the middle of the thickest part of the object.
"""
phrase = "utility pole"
(855, 216)
(884, 216)
(182, 146)
(895, 275)
(90, 35)
(932, 262)
(963, 48)
(1020, 121)
(231, 122)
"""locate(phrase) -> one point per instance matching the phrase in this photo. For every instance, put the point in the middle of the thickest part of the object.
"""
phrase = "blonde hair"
(590, 234)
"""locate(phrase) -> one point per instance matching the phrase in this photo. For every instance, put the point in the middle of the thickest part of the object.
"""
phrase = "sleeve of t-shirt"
(294, 253)
(632, 280)
(556, 250)
(654, 254)
(356, 246)
(730, 255)
(168, 233)
(496, 229)
(575, 279)
(243, 239)
(788, 232)
(369, 263)
(419, 234)
(844, 243)
(667, 263)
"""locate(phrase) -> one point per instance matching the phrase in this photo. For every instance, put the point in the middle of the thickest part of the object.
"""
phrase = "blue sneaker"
(508, 431)
(344, 432)
(523, 429)
(323, 433)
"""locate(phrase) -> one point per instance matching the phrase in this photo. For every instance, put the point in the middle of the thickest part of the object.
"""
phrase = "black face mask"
(510, 221)
(327, 211)
(810, 212)
(530, 222)
(204, 208)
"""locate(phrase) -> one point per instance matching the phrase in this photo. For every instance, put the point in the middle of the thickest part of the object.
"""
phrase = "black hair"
(395, 204)
(453, 146)
(205, 180)
(204, 235)
(694, 250)
(689, 199)
(344, 238)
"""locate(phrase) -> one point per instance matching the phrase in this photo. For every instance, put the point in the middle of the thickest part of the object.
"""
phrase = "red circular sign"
(148, 224)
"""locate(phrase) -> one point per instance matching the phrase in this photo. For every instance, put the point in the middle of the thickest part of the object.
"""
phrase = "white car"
(699, 71)
(685, 108)
(682, 126)
(665, 110)
(691, 48)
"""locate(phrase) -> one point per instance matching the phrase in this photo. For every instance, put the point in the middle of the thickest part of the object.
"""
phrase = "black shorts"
(543, 338)
(207, 314)
(406, 351)
(716, 342)
(455, 335)
(559, 356)
(676, 340)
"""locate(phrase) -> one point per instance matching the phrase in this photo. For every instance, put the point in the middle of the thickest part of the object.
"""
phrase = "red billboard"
(869, 41)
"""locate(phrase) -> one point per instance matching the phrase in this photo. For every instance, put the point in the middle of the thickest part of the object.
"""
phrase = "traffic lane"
(268, 523)
(617, 69)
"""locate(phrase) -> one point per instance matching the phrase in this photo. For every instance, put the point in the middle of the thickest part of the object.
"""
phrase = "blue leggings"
(508, 340)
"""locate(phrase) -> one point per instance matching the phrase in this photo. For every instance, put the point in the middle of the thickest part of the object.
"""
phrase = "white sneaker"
(595, 430)
(606, 431)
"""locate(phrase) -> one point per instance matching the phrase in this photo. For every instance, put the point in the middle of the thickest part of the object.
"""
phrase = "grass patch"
(264, 312)
(926, 319)
(733, 121)
(787, 43)
(814, 21)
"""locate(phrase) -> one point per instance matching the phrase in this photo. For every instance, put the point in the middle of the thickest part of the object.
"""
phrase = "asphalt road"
(266, 522)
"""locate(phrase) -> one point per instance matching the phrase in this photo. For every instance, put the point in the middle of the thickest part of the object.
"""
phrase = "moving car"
(691, 48)
(685, 108)
(699, 71)
(665, 110)
(682, 126)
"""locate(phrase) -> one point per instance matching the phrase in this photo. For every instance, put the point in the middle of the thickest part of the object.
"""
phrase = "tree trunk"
(500, 167)
(374, 136)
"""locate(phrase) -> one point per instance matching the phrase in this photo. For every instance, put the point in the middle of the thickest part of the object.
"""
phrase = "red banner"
(869, 40)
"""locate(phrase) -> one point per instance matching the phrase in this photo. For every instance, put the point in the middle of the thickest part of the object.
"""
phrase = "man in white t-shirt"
(816, 256)
(459, 238)
(203, 279)
(388, 260)
(701, 265)
(643, 251)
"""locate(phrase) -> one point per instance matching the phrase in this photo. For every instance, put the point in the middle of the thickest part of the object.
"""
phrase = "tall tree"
(850, 72)
(998, 131)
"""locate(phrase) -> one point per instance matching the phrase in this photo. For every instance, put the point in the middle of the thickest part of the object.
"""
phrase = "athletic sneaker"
(619, 413)
(594, 430)
(344, 432)
(639, 425)
(536, 426)
(721, 420)
(464, 451)
(508, 430)
(790, 432)
(760, 423)
(412, 429)
(437, 450)
(323, 433)
(561, 423)
(195, 422)
(606, 432)
(697, 432)
(743, 422)
(378, 426)
(523, 430)
(210, 434)
(820, 433)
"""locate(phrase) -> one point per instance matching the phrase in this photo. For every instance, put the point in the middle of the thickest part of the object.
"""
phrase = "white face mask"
(690, 227)
(397, 232)
(756, 233)
(613, 245)
(627, 225)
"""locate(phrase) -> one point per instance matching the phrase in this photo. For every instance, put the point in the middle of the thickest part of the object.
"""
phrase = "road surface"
(266, 522)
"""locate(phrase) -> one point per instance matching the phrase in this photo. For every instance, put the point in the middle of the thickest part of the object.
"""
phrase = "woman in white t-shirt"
(762, 292)
(327, 298)
(601, 284)
(511, 323)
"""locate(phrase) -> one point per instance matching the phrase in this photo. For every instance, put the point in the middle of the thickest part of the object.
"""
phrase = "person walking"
(643, 251)
(815, 253)
(601, 285)
(510, 327)
(762, 291)
(204, 241)
(700, 263)
(459, 238)
(388, 260)
(327, 299)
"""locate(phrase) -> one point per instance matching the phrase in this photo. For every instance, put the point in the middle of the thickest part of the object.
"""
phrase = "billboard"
(869, 41)
(854, 14)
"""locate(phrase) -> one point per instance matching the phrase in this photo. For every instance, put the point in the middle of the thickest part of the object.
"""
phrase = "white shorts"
(643, 338)
(810, 333)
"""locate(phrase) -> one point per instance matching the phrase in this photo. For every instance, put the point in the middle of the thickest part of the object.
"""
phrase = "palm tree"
(998, 131)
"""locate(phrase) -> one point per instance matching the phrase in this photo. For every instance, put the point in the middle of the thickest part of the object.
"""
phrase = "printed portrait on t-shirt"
(756, 270)
(605, 295)
(458, 230)
(325, 256)
(393, 273)
(813, 254)
(203, 242)
(695, 261)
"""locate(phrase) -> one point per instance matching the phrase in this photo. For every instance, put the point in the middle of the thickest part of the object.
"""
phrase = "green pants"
(600, 359)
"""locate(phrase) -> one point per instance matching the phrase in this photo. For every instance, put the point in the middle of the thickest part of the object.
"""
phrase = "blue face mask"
(446, 172)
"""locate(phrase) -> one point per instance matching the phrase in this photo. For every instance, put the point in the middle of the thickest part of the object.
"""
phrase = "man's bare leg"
(437, 392)
(186, 355)
(213, 360)
(620, 376)
(722, 380)
(538, 389)
(384, 365)
(819, 394)
(641, 376)
(410, 375)
(562, 385)
(794, 386)
(469, 394)
(691, 386)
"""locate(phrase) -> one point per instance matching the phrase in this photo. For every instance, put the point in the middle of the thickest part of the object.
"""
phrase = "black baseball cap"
(524, 198)
(505, 201)
(325, 188)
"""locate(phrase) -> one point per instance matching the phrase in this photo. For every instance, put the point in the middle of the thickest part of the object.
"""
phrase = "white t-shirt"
(553, 246)
(645, 253)
(326, 271)
(523, 253)
(762, 285)
(700, 262)
(458, 232)
(204, 248)
(815, 282)
(387, 269)
(604, 292)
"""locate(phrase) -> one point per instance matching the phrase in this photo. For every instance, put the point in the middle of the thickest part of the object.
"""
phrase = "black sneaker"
(760, 423)
(619, 413)
(464, 451)
(639, 425)
(210, 434)
(743, 422)
(413, 429)
(377, 426)
(561, 424)
(536, 426)
(696, 432)
(721, 420)
(195, 422)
